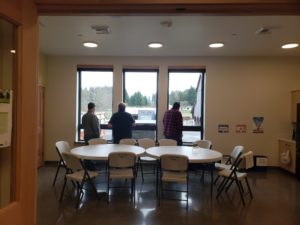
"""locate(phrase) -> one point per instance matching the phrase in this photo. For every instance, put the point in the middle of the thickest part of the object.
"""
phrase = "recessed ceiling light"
(90, 44)
(13, 51)
(291, 45)
(216, 45)
(155, 45)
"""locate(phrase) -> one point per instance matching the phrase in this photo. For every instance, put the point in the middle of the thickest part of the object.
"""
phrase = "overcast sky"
(145, 83)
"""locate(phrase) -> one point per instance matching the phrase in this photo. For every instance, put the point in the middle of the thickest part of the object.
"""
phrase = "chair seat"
(227, 172)
(148, 158)
(78, 176)
(169, 176)
(222, 166)
(121, 173)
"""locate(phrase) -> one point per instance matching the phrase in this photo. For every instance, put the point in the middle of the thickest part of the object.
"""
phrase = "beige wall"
(237, 88)
(42, 70)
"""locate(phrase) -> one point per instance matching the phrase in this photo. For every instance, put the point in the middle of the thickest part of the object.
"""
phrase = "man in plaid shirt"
(173, 123)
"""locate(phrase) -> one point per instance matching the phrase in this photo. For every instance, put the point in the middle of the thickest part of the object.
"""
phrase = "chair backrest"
(167, 142)
(72, 161)
(174, 162)
(204, 144)
(121, 159)
(236, 152)
(146, 143)
(62, 146)
(127, 141)
(247, 160)
(97, 141)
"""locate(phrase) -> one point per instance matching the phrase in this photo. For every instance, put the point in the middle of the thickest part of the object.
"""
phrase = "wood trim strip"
(141, 67)
(87, 66)
(200, 67)
(280, 8)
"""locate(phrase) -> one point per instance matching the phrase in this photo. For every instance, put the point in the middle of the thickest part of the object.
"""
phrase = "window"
(140, 95)
(187, 87)
(95, 85)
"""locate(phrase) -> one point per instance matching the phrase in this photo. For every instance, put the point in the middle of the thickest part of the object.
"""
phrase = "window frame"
(143, 126)
(203, 73)
(79, 79)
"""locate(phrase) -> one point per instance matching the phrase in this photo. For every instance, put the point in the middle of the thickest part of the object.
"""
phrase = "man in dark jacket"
(121, 123)
(90, 123)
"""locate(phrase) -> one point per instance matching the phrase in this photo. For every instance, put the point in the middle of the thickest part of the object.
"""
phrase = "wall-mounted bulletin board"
(5, 117)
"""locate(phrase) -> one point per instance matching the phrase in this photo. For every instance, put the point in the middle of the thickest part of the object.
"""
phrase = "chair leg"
(249, 189)
(93, 186)
(217, 178)
(222, 183)
(63, 189)
(241, 185)
(56, 173)
(79, 190)
(133, 191)
(222, 186)
(211, 182)
(202, 176)
(229, 185)
(108, 183)
(187, 195)
(240, 191)
(159, 192)
(142, 171)
(157, 180)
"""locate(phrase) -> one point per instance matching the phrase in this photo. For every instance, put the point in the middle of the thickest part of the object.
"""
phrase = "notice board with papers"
(5, 117)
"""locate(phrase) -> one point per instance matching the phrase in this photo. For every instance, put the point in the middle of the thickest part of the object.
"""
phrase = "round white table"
(101, 151)
(194, 154)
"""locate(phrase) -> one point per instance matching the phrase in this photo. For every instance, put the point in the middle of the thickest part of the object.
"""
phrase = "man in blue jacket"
(121, 123)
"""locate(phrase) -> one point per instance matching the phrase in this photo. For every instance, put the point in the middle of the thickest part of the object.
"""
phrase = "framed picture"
(223, 128)
(258, 124)
(240, 128)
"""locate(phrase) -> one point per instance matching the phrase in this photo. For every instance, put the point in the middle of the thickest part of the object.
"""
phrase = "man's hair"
(91, 105)
(176, 105)
(121, 107)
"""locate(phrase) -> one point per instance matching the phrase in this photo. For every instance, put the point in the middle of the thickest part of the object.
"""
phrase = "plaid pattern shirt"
(173, 123)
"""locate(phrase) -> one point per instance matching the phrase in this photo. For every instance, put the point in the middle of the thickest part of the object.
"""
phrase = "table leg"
(211, 181)
(157, 177)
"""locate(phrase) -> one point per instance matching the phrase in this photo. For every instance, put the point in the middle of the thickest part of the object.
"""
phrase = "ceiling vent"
(101, 29)
(263, 30)
(166, 23)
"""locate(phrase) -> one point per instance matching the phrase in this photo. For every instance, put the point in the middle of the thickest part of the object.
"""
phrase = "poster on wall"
(223, 128)
(5, 117)
(258, 124)
(240, 128)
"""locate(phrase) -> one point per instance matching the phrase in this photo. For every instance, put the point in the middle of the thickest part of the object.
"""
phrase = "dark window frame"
(144, 126)
(79, 71)
(203, 73)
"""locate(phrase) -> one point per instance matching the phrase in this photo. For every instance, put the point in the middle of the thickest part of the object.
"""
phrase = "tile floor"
(276, 202)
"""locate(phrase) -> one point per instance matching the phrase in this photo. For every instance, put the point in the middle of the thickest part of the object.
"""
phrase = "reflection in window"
(95, 85)
(186, 86)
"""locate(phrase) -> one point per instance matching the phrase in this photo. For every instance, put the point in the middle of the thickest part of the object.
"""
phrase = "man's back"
(122, 125)
(90, 124)
(173, 123)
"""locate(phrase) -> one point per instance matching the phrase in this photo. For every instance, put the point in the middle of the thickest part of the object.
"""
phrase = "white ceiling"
(188, 36)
